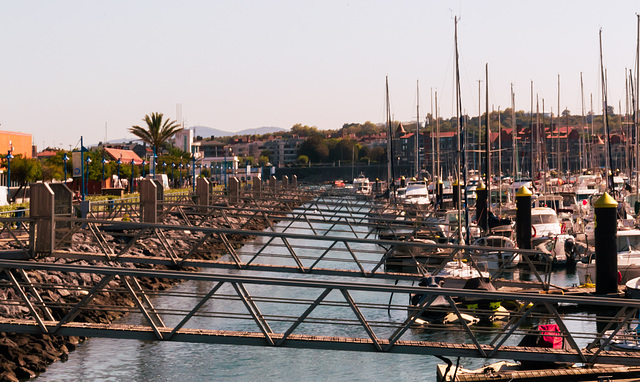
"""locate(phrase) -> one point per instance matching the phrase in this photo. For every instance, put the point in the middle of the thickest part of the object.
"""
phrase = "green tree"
(157, 131)
(377, 154)
(303, 130)
(315, 148)
(341, 149)
(25, 171)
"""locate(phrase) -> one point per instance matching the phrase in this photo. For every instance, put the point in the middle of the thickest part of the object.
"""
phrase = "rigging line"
(471, 88)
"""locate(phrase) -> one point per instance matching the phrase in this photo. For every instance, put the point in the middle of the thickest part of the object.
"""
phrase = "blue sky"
(72, 67)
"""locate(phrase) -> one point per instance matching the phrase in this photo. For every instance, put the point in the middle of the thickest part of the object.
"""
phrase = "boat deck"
(598, 373)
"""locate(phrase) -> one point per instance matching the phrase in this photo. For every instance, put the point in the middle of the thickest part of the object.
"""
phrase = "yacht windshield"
(543, 219)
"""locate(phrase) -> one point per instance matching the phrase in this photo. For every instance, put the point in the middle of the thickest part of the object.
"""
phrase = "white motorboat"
(544, 222)
(416, 192)
(361, 185)
(628, 243)
(496, 256)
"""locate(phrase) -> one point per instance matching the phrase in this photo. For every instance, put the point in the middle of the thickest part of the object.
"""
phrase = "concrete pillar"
(605, 232)
(257, 187)
(523, 218)
(63, 203)
(42, 211)
(481, 206)
(234, 190)
(294, 181)
(148, 201)
(202, 191)
(273, 183)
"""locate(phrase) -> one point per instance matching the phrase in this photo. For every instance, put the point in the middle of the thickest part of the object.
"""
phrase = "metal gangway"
(327, 289)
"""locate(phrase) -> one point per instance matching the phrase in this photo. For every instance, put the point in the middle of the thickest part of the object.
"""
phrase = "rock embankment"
(23, 356)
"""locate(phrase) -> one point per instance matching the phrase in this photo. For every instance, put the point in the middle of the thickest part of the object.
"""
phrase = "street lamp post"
(86, 187)
(65, 158)
(119, 162)
(155, 160)
(132, 163)
(173, 180)
(164, 167)
(186, 175)
(9, 157)
(104, 161)
(144, 162)
(193, 172)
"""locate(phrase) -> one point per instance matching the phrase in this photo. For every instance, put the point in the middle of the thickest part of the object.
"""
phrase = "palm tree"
(157, 131)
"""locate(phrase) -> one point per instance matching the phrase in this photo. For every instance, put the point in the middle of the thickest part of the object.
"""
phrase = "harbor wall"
(329, 173)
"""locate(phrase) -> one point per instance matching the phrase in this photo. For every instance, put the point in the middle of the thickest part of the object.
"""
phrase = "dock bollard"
(456, 195)
(439, 193)
(523, 218)
(605, 232)
(481, 206)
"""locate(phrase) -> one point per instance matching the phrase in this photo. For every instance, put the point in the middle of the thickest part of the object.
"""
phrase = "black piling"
(481, 206)
(606, 244)
(456, 195)
(523, 218)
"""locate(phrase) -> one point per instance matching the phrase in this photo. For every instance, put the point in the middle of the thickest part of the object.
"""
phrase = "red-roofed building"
(47, 154)
(125, 155)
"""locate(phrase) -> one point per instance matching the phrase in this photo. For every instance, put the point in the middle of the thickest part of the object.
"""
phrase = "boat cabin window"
(568, 200)
(544, 219)
(581, 197)
(555, 204)
(628, 243)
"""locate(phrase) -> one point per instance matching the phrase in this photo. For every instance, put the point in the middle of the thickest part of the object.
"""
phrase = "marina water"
(101, 359)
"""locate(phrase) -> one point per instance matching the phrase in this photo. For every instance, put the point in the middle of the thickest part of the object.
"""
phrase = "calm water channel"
(131, 360)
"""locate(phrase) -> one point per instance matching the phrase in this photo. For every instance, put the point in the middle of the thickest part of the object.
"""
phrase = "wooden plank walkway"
(314, 342)
(597, 373)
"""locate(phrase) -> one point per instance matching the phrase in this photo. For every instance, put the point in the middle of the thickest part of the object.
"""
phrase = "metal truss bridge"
(318, 277)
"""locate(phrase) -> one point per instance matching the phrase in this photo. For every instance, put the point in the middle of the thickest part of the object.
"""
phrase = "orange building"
(21, 143)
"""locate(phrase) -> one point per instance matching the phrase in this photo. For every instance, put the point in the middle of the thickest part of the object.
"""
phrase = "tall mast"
(487, 145)
(433, 145)
(459, 158)
(606, 119)
(499, 161)
(390, 174)
(584, 143)
(566, 119)
(593, 149)
(635, 109)
(438, 168)
(627, 131)
(559, 160)
(538, 162)
(531, 145)
(477, 148)
(514, 134)
(417, 130)
(458, 148)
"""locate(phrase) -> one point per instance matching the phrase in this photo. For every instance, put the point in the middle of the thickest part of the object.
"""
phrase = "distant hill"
(206, 132)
